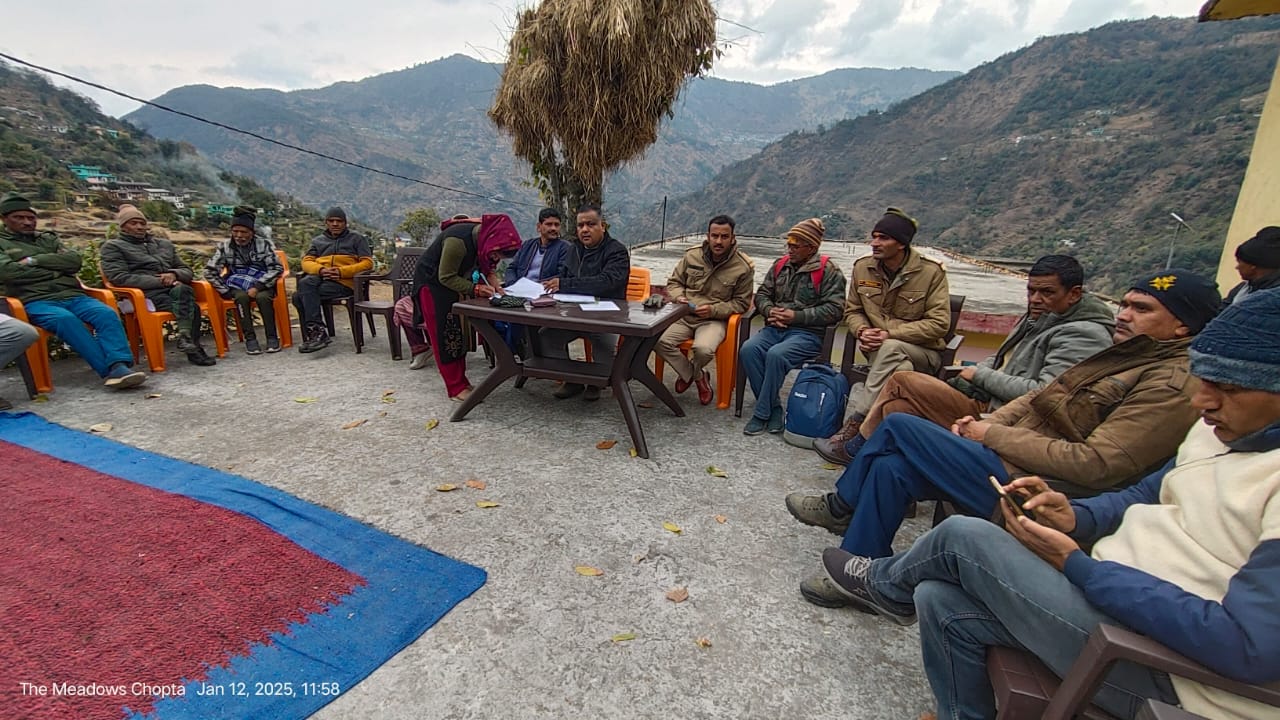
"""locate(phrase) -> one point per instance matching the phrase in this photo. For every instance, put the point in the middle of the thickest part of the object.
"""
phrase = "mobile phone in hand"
(1014, 503)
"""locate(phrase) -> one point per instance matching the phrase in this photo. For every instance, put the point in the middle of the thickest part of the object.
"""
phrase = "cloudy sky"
(147, 47)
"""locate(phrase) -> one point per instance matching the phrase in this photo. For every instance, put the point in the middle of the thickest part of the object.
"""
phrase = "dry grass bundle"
(587, 82)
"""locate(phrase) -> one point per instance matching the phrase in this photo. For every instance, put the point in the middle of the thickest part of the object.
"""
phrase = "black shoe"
(568, 390)
(591, 393)
(251, 346)
(848, 572)
(273, 344)
(185, 344)
(318, 340)
(199, 357)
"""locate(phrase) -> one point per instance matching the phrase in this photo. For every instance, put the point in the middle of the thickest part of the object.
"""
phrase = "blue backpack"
(815, 408)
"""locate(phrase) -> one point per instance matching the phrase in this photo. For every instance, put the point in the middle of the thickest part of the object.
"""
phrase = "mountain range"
(429, 122)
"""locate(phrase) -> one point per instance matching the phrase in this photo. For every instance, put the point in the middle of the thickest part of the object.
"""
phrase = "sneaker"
(704, 388)
(199, 357)
(185, 344)
(120, 376)
(591, 393)
(273, 344)
(251, 346)
(420, 360)
(755, 426)
(777, 421)
(816, 510)
(820, 591)
(568, 390)
(832, 452)
(848, 572)
(318, 340)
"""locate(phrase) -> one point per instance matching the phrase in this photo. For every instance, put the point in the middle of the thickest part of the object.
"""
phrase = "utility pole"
(1181, 224)
(662, 239)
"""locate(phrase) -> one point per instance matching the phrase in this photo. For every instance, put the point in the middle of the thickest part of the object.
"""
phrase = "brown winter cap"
(808, 232)
(127, 213)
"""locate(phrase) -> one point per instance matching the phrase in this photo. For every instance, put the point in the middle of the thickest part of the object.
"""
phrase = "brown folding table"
(638, 326)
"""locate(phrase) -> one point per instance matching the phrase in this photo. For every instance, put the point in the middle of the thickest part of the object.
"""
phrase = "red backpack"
(815, 276)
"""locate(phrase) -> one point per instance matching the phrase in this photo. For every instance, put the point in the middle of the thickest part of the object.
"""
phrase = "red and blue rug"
(134, 585)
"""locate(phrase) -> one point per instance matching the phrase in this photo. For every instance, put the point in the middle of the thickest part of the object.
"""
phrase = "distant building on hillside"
(92, 174)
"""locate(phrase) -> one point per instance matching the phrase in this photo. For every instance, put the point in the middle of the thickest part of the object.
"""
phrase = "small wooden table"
(638, 326)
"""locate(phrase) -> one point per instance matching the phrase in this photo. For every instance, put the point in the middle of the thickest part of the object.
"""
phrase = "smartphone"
(1014, 504)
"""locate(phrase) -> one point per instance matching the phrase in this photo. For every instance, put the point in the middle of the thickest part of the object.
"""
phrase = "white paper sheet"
(571, 298)
(599, 306)
(525, 288)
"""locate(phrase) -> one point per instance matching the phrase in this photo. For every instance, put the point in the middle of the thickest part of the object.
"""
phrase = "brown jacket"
(726, 287)
(915, 307)
(1106, 422)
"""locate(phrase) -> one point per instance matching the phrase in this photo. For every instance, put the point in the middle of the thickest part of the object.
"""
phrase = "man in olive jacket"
(1104, 424)
(715, 279)
(36, 269)
(138, 259)
(899, 309)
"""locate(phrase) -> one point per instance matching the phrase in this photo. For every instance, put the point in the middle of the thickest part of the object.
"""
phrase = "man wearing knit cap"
(1258, 262)
(1103, 424)
(334, 257)
(1188, 557)
(138, 259)
(36, 269)
(800, 298)
(245, 269)
(899, 309)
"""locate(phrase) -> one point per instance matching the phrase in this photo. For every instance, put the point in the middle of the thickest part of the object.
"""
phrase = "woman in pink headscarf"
(444, 276)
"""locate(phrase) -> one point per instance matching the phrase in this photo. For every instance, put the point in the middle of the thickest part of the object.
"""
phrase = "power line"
(263, 138)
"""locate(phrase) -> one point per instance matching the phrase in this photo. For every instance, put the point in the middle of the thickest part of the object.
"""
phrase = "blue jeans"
(974, 586)
(909, 458)
(102, 348)
(768, 356)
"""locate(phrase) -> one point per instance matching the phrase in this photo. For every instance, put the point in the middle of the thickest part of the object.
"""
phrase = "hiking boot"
(777, 421)
(755, 426)
(832, 452)
(682, 384)
(420, 360)
(186, 344)
(591, 393)
(568, 390)
(704, 388)
(251, 346)
(121, 376)
(848, 572)
(820, 591)
(318, 340)
(199, 357)
(846, 432)
(816, 510)
(273, 344)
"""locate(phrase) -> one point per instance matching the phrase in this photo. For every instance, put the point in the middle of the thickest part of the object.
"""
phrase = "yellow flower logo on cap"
(1164, 282)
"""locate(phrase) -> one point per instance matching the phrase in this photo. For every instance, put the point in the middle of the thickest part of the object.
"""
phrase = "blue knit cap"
(1242, 345)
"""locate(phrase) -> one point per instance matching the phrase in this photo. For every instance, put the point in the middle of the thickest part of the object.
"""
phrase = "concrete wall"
(1259, 202)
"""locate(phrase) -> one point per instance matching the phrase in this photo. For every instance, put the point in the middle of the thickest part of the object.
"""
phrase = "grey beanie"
(336, 212)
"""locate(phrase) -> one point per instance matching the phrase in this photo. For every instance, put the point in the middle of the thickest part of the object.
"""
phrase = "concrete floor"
(536, 640)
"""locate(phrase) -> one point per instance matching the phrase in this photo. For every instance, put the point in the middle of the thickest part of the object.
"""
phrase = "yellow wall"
(1259, 203)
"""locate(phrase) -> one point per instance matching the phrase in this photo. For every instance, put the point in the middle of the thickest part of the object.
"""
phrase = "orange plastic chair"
(145, 327)
(284, 325)
(726, 362)
(637, 289)
(38, 354)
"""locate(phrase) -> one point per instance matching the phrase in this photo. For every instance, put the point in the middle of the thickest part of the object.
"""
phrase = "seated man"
(596, 265)
(245, 268)
(138, 259)
(15, 337)
(1103, 424)
(334, 257)
(799, 299)
(36, 269)
(1062, 326)
(899, 309)
(1258, 262)
(539, 258)
(716, 279)
(1189, 557)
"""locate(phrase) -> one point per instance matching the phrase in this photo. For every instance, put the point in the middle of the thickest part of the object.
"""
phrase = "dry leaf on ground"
(40, 399)
(703, 642)
(354, 423)
(447, 487)
(100, 428)
(476, 484)
(606, 444)
(831, 466)
(587, 570)
(678, 595)
(304, 400)
(714, 471)
(645, 405)
(722, 519)
(623, 637)
(382, 413)
(388, 399)
(152, 396)
(487, 504)
(432, 424)
(634, 453)
(672, 527)
(388, 393)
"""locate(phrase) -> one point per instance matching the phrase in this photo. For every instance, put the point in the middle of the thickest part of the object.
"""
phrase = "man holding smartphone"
(1213, 514)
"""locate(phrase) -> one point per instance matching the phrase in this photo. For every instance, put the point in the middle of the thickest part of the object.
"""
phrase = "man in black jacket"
(596, 265)
(1258, 262)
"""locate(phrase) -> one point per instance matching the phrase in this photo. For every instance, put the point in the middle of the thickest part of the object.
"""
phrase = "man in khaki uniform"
(899, 308)
(715, 279)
